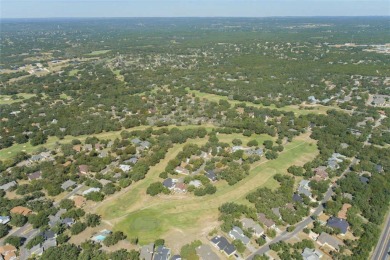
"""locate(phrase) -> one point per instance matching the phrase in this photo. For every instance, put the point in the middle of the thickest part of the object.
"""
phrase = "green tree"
(14, 240)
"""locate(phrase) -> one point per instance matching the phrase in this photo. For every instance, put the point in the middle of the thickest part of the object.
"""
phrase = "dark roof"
(339, 223)
(176, 257)
(162, 253)
(48, 234)
(35, 175)
(229, 249)
(211, 175)
(363, 179)
(297, 198)
(168, 183)
(379, 168)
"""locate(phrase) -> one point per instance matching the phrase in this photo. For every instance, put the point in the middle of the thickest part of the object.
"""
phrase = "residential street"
(301, 225)
(384, 243)
(27, 230)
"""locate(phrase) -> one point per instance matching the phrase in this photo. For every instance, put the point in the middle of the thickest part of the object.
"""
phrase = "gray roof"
(206, 253)
(168, 183)
(237, 233)
(35, 175)
(147, 252)
(162, 253)
(8, 185)
(311, 254)
(49, 243)
(176, 257)
(249, 223)
(211, 175)
(325, 238)
(67, 184)
(304, 188)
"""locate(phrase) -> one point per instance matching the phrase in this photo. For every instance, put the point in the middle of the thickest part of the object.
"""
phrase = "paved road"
(28, 232)
(301, 225)
(385, 243)
(382, 250)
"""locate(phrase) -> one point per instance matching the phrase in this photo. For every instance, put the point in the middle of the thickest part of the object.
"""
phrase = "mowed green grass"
(6, 99)
(133, 211)
(99, 52)
(317, 109)
(11, 151)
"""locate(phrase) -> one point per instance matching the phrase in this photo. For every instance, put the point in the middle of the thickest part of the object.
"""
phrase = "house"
(7, 186)
(79, 201)
(4, 219)
(206, 253)
(49, 234)
(104, 181)
(304, 188)
(67, 184)
(276, 211)
(379, 168)
(53, 220)
(83, 169)
(145, 145)
(49, 243)
(347, 195)
(327, 240)
(180, 188)
(136, 141)
(269, 223)
(182, 170)
(21, 210)
(320, 173)
(8, 252)
(338, 223)
(68, 221)
(103, 154)
(132, 160)
(343, 212)
(311, 254)
(34, 176)
(195, 183)
(176, 257)
(333, 164)
(168, 183)
(124, 167)
(312, 99)
(223, 244)
(363, 180)
(297, 198)
(77, 148)
(36, 158)
(237, 148)
(237, 233)
(250, 224)
(210, 174)
(258, 152)
(91, 190)
(147, 252)
(162, 253)
(88, 147)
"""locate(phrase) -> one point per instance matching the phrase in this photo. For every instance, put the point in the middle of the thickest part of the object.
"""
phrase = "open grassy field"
(317, 109)
(10, 152)
(182, 216)
(99, 52)
(6, 99)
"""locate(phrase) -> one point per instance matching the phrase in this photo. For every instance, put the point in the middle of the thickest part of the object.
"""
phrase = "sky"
(191, 8)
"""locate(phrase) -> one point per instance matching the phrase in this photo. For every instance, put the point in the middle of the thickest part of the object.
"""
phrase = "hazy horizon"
(190, 8)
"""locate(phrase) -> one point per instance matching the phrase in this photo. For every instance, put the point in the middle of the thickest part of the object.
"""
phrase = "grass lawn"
(148, 218)
(6, 99)
(73, 72)
(97, 52)
(317, 109)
